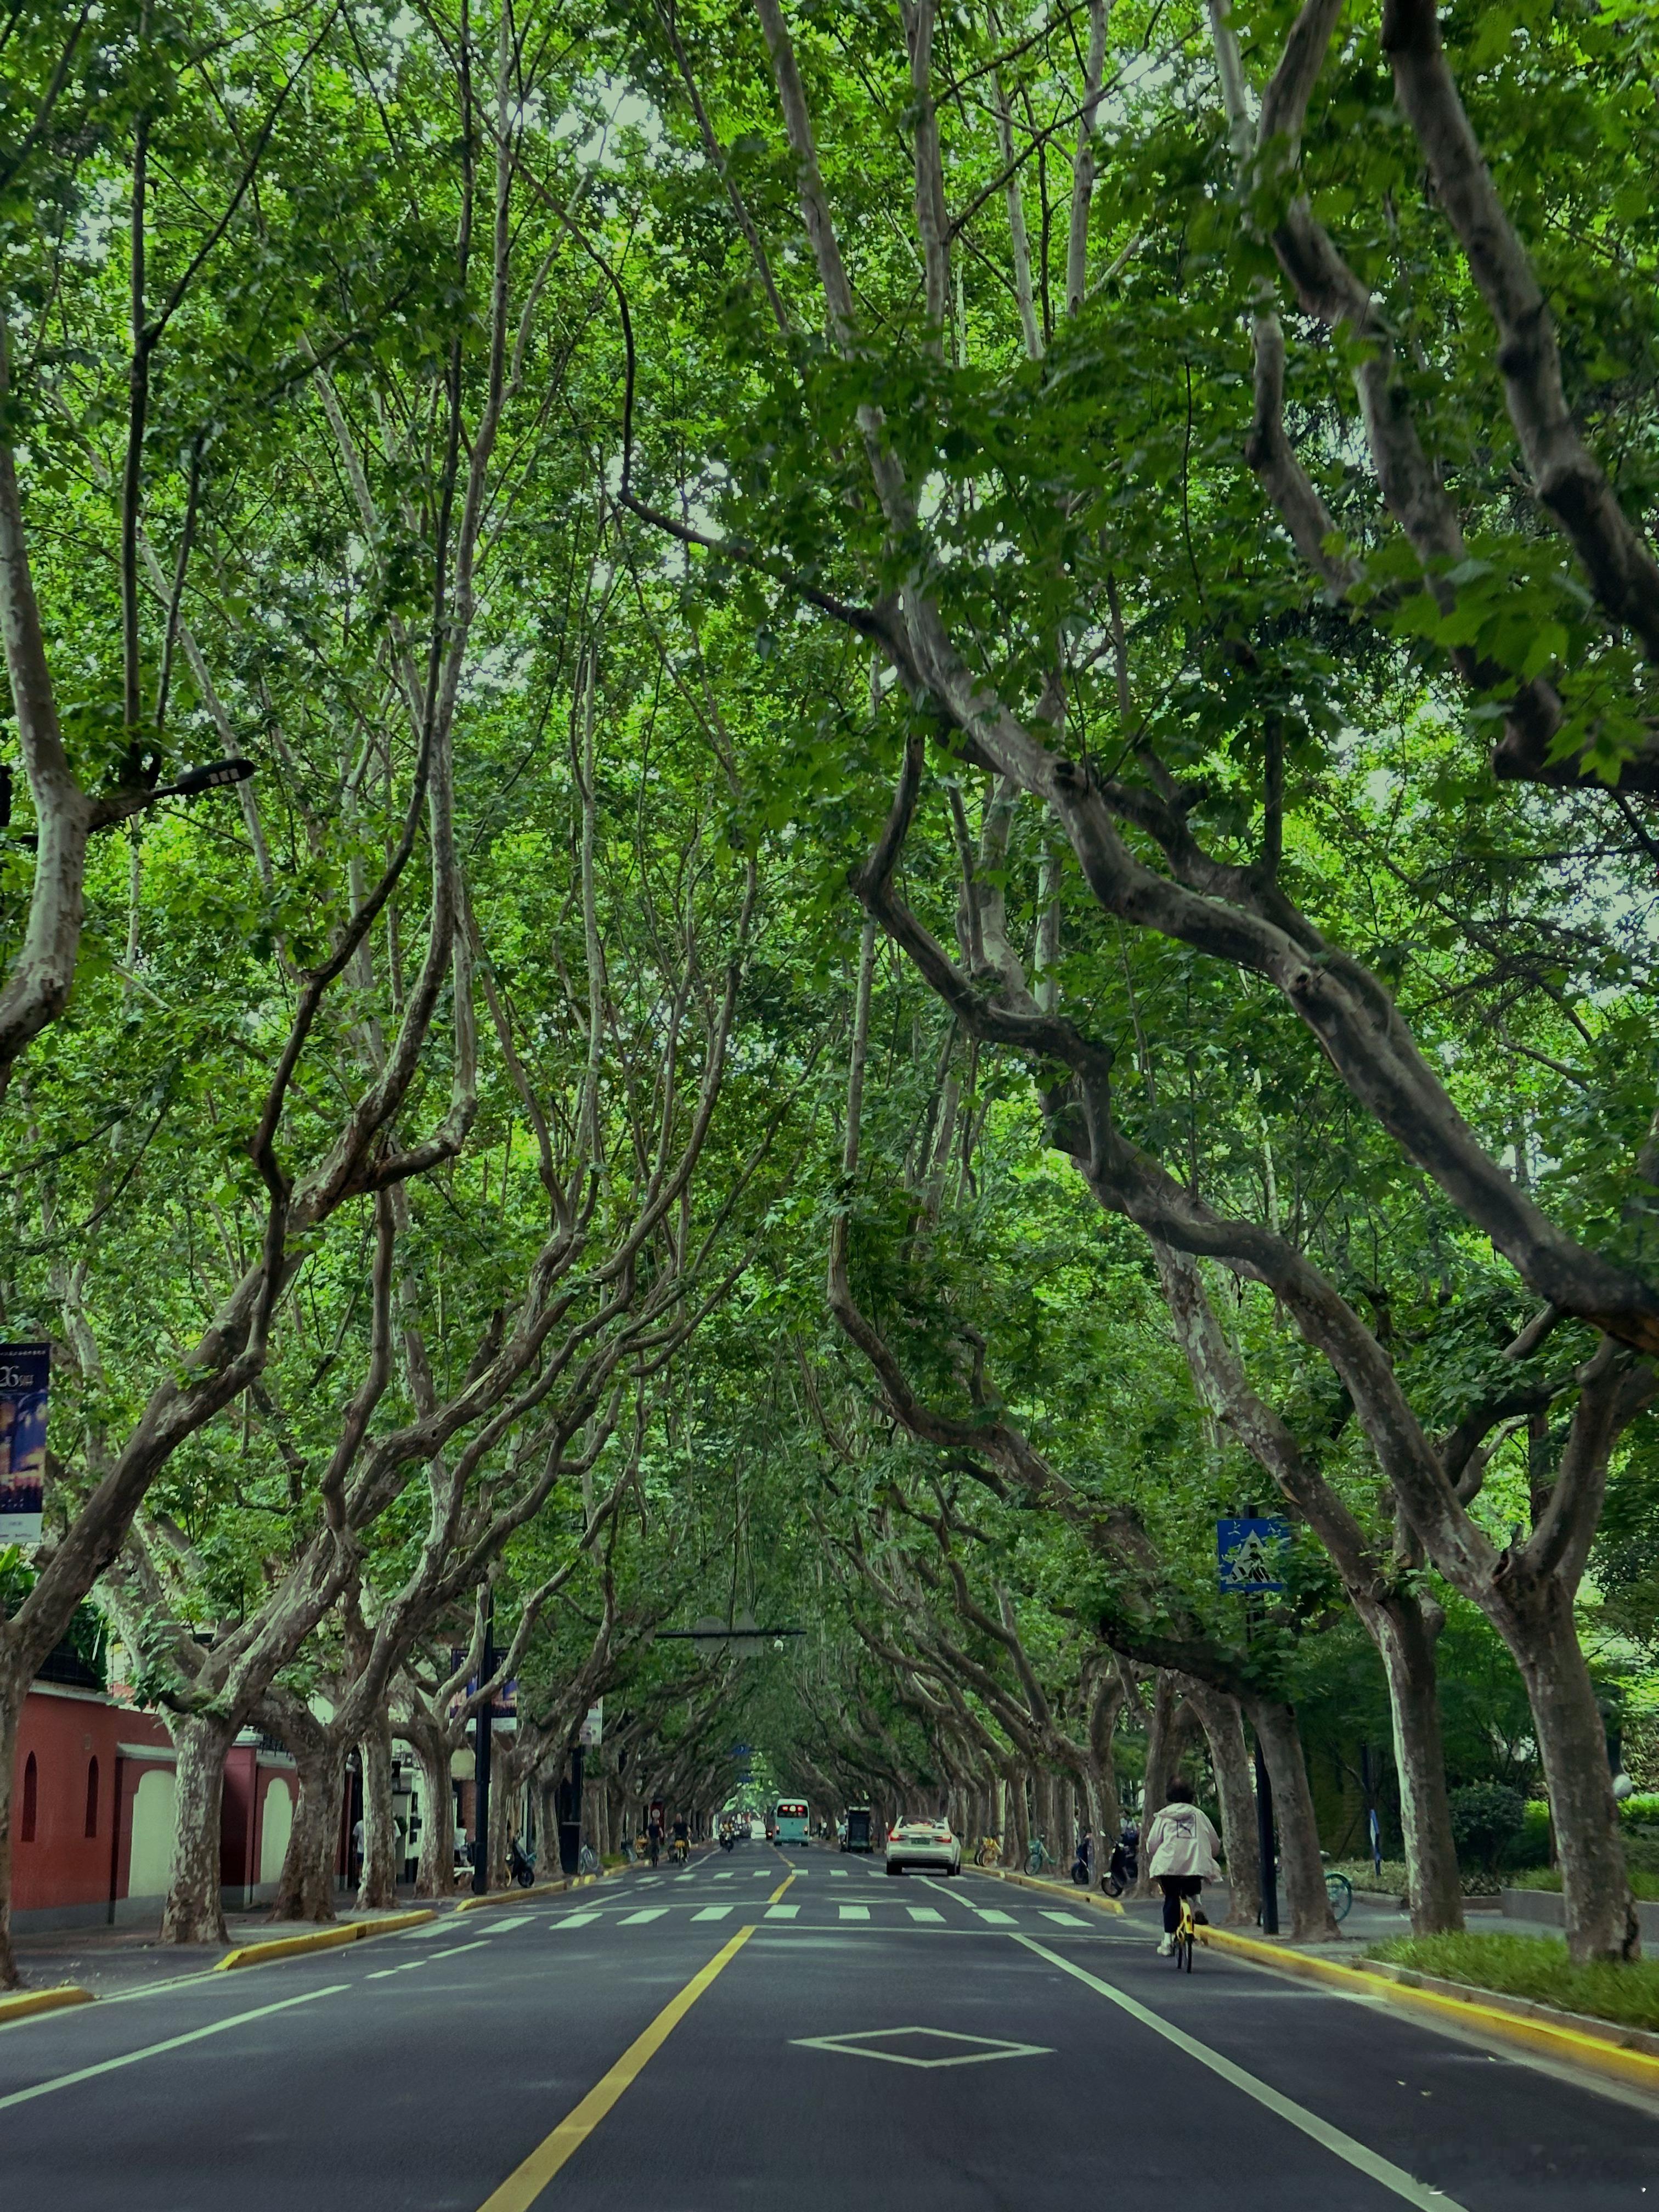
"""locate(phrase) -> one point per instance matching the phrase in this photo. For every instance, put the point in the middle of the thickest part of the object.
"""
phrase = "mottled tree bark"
(13, 1687)
(305, 1888)
(194, 1911)
(1300, 1864)
(382, 1847)
(1224, 1728)
(1406, 1639)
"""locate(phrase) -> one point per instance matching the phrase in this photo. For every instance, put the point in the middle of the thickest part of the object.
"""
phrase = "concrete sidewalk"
(114, 1961)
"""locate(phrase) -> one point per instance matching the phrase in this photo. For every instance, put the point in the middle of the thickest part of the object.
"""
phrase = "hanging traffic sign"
(1248, 1554)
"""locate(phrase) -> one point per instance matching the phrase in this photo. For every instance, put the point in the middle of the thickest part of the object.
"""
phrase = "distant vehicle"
(756, 1829)
(792, 1822)
(923, 1843)
(859, 1830)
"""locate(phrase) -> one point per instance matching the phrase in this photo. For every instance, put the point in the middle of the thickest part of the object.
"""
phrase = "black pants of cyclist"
(1175, 1887)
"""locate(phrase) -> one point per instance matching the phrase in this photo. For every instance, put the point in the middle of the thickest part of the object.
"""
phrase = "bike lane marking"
(1357, 2154)
(522, 2187)
(172, 2043)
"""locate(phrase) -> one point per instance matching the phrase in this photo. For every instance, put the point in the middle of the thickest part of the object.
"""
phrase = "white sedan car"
(927, 1844)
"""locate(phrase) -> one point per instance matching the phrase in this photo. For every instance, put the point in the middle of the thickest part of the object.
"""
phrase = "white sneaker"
(1166, 1947)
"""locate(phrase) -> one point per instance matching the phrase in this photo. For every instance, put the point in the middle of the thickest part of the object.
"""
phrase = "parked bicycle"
(587, 1860)
(988, 1851)
(1339, 1890)
(1038, 1857)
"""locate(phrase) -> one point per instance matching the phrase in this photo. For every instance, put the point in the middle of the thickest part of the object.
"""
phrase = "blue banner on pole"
(25, 1376)
(1248, 1554)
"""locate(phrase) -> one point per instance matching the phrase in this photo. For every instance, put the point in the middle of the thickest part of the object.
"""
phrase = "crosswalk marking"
(856, 1912)
(837, 1874)
(762, 1873)
(712, 1912)
(781, 1911)
(501, 1927)
(726, 1874)
(574, 1920)
(997, 1919)
(636, 1919)
(924, 1912)
(1065, 1920)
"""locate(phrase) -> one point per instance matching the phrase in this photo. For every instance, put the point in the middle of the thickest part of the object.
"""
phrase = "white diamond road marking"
(781, 1911)
(924, 1912)
(983, 2048)
(854, 1912)
(1065, 1920)
(574, 1920)
(638, 1919)
(712, 1912)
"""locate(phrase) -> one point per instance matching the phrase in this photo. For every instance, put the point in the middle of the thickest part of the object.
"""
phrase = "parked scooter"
(1083, 1864)
(1124, 1870)
(521, 1865)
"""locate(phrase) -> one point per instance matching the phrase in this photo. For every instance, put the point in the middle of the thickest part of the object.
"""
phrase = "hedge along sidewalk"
(1626, 2055)
(1075, 1890)
(320, 1939)
(25, 2002)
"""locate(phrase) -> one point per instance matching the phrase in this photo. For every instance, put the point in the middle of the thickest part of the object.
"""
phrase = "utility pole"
(481, 1756)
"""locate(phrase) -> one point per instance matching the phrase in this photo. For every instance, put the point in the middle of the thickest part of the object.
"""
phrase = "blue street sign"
(1247, 1556)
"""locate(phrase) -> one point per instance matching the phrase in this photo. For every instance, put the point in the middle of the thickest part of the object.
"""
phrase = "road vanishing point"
(795, 2032)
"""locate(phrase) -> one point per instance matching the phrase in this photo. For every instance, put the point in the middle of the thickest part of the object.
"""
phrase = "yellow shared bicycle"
(1186, 1936)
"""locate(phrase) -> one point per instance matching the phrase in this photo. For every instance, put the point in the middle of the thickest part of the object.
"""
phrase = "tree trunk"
(306, 1888)
(1600, 1918)
(1312, 1920)
(382, 1847)
(14, 1687)
(1167, 1728)
(435, 1874)
(1406, 1639)
(1224, 1728)
(1018, 1820)
(194, 1911)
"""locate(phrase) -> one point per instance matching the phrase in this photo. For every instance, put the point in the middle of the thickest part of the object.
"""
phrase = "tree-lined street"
(917, 2039)
(828, 944)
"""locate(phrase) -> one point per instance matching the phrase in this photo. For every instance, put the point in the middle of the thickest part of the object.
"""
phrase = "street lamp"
(215, 775)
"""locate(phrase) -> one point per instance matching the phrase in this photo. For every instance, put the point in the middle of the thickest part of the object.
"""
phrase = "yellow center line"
(521, 2188)
(778, 1891)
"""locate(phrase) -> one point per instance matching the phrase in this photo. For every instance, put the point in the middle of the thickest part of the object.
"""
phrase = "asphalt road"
(855, 2041)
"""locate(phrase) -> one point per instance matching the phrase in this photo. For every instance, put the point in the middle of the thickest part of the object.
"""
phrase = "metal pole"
(481, 1758)
(1264, 1830)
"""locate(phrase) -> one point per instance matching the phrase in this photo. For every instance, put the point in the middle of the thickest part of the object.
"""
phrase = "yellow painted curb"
(536, 1889)
(29, 2001)
(1576, 2046)
(1074, 1895)
(320, 1939)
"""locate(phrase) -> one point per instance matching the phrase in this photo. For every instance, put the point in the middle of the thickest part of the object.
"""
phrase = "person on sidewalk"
(1181, 1848)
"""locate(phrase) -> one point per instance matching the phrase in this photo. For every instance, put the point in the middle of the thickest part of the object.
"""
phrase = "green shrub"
(1536, 1967)
(1643, 1883)
(1485, 1817)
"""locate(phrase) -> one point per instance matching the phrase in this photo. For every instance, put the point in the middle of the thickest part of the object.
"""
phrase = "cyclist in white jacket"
(1181, 1848)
